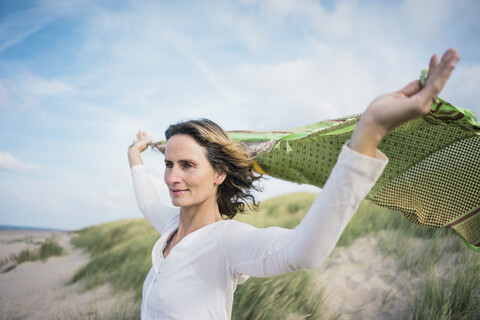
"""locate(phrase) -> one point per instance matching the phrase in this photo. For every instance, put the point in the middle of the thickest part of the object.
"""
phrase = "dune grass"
(120, 254)
(294, 295)
(444, 273)
(456, 296)
(123, 310)
(48, 248)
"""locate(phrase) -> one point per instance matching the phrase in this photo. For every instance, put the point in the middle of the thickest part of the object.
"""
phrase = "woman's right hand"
(142, 141)
(140, 144)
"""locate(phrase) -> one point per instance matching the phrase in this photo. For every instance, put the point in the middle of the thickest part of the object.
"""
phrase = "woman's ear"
(220, 177)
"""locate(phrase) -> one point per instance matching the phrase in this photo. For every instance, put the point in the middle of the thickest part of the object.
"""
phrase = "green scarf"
(433, 174)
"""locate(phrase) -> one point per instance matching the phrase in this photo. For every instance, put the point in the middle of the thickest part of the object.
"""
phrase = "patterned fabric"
(433, 175)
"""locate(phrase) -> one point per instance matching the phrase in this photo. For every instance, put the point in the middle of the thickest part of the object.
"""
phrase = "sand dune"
(38, 290)
(359, 283)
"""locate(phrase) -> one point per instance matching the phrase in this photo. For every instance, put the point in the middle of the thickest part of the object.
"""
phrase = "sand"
(39, 290)
(360, 284)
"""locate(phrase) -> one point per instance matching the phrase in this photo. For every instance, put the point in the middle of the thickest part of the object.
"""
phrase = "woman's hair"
(225, 156)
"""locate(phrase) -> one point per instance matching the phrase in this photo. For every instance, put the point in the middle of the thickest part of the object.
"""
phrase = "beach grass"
(294, 295)
(441, 274)
(444, 275)
(123, 310)
(120, 254)
(455, 296)
(48, 248)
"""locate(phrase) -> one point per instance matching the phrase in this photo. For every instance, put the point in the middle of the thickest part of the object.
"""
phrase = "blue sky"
(78, 79)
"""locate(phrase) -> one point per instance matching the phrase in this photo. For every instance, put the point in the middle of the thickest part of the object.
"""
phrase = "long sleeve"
(148, 202)
(274, 251)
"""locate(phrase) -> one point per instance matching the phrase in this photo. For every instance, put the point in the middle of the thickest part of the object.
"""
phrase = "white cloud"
(107, 199)
(462, 88)
(248, 29)
(38, 86)
(38, 202)
(9, 163)
(302, 91)
(23, 89)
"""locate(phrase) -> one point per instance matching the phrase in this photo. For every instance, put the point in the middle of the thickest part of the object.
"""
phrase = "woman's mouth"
(177, 192)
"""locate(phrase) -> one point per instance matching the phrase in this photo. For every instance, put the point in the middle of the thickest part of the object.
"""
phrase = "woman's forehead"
(183, 146)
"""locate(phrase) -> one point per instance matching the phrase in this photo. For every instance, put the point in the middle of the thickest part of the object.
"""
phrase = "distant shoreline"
(20, 228)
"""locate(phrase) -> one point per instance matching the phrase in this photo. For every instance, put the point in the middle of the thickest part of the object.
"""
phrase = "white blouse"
(200, 274)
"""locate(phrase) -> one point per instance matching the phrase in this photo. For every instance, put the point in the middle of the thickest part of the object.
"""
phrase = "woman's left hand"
(391, 110)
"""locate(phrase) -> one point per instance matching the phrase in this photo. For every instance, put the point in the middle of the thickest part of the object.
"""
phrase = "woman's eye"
(168, 164)
(188, 165)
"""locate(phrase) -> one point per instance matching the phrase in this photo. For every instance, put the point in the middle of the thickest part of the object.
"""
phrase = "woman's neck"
(194, 218)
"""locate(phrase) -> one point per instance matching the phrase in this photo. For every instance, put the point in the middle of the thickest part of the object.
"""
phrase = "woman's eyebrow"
(186, 161)
(182, 161)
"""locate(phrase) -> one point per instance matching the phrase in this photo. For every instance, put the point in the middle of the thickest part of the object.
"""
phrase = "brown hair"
(225, 156)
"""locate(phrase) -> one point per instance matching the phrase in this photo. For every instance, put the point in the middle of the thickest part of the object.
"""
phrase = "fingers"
(411, 88)
(433, 63)
(142, 140)
(438, 74)
(447, 64)
(141, 135)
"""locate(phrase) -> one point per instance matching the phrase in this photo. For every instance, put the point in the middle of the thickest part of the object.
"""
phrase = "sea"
(6, 227)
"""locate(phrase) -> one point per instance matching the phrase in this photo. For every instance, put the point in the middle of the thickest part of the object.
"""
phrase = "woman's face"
(189, 176)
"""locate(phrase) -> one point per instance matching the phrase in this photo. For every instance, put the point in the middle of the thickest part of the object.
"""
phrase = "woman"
(201, 257)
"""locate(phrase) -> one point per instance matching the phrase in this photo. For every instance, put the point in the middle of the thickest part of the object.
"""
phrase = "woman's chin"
(178, 202)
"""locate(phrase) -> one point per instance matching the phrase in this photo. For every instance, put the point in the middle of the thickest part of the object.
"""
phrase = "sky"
(78, 79)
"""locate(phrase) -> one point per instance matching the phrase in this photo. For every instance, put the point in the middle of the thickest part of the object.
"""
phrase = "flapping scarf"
(433, 174)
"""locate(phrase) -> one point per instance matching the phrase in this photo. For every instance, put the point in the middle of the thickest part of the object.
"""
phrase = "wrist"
(366, 136)
(134, 156)
(133, 149)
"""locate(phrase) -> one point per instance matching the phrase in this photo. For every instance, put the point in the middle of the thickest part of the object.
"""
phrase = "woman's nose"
(171, 176)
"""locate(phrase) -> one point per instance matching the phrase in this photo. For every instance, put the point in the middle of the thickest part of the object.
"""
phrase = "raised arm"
(137, 147)
(274, 251)
(148, 202)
